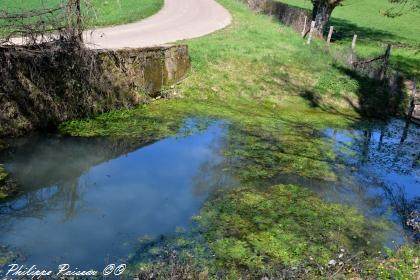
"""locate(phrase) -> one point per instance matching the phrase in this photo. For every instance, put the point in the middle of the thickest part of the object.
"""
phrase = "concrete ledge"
(148, 69)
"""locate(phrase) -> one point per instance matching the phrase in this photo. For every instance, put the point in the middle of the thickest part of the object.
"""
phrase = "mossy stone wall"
(41, 92)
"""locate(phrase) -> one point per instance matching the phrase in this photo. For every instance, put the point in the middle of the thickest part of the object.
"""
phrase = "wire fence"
(43, 24)
(300, 20)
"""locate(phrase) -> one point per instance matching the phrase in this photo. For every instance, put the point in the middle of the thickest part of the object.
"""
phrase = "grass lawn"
(275, 91)
(106, 12)
(375, 30)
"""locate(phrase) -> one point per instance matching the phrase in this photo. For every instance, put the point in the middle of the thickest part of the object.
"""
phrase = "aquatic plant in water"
(7, 186)
(248, 233)
(254, 230)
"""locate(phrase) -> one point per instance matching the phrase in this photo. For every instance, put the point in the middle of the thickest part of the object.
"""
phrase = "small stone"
(341, 256)
(332, 262)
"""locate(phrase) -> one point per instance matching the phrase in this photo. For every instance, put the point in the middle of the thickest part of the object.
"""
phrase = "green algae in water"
(284, 224)
(252, 232)
(185, 250)
(3, 173)
(3, 195)
(8, 186)
(269, 141)
(3, 145)
(260, 154)
(264, 141)
(3, 178)
(6, 256)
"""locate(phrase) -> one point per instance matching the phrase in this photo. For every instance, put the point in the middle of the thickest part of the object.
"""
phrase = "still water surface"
(88, 201)
(86, 206)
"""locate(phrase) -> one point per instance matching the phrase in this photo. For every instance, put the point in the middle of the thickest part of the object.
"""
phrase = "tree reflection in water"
(385, 162)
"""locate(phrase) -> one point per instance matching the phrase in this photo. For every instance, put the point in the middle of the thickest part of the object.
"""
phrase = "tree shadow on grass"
(375, 98)
(344, 30)
(314, 100)
(409, 67)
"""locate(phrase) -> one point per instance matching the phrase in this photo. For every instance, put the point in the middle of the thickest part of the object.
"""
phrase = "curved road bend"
(177, 20)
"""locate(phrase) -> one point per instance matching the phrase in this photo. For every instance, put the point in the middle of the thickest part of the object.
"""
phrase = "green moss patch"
(258, 230)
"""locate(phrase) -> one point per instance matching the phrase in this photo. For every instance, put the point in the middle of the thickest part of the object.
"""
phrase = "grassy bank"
(99, 12)
(277, 95)
(375, 30)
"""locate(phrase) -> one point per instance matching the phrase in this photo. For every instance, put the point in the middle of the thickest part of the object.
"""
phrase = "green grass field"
(100, 12)
(367, 19)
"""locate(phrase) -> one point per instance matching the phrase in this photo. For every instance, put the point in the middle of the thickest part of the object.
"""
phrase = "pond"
(88, 201)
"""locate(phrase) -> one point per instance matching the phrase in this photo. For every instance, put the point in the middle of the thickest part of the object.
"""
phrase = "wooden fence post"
(330, 35)
(353, 47)
(386, 62)
(353, 43)
(304, 26)
(310, 32)
(74, 18)
(79, 21)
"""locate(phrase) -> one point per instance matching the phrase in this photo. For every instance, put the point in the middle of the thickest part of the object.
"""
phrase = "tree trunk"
(79, 21)
(321, 14)
(74, 15)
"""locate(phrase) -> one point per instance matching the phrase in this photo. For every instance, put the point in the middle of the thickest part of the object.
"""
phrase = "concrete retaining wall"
(40, 93)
